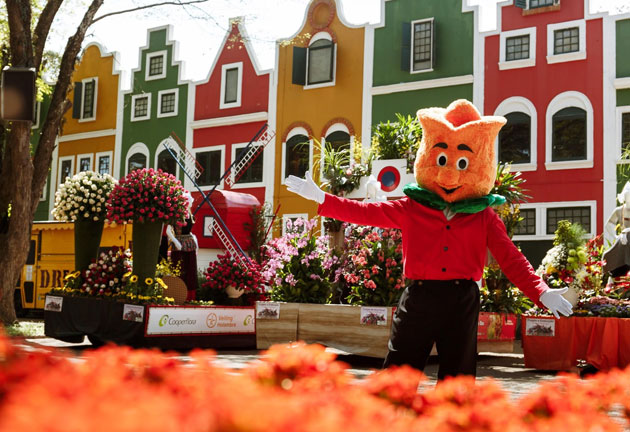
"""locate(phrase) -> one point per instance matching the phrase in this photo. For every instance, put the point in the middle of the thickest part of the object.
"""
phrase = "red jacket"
(437, 248)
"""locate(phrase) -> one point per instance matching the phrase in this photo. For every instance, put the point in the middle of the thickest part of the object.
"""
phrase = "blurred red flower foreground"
(295, 388)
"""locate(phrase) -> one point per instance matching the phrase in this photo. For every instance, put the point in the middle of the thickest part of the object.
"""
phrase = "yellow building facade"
(88, 137)
(319, 93)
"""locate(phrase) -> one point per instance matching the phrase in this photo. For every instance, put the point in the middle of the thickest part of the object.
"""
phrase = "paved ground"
(508, 369)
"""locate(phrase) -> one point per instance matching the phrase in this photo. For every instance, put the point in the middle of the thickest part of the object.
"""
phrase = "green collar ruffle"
(433, 200)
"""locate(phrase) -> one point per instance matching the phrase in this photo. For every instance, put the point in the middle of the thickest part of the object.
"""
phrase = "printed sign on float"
(267, 310)
(199, 320)
(373, 315)
(540, 327)
(53, 303)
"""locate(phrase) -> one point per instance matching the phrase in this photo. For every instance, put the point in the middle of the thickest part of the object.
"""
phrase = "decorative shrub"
(372, 266)
(397, 140)
(299, 266)
(148, 195)
(226, 278)
(83, 197)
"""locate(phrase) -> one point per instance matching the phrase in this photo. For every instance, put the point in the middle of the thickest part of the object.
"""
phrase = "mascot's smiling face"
(456, 155)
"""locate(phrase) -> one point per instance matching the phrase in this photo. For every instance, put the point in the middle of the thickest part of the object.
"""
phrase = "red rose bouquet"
(148, 195)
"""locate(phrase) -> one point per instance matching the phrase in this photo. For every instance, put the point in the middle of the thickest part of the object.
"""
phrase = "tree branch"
(58, 104)
(165, 3)
(43, 27)
(20, 33)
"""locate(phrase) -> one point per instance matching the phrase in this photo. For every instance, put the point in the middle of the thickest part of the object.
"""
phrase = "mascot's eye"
(442, 159)
(462, 163)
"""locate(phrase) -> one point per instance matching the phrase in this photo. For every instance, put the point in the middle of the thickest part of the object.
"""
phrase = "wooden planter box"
(496, 332)
(276, 323)
(353, 329)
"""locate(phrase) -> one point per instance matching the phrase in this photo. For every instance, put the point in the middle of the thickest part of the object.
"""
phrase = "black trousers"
(441, 312)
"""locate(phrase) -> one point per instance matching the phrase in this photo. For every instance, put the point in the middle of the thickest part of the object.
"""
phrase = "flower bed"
(297, 388)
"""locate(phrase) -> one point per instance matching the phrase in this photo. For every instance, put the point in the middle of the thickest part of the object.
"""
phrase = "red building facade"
(544, 72)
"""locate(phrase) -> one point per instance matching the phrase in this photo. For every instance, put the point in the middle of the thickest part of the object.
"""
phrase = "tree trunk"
(19, 169)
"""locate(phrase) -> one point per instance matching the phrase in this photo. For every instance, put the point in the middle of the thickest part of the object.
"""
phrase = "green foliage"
(259, 230)
(397, 140)
(342, 171)
(499, 295)
(569, 234)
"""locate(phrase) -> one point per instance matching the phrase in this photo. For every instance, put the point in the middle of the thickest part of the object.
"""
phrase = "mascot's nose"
(448, 177)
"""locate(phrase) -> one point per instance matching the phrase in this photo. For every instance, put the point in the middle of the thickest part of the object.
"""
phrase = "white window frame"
(38, 114)
(541, 218)
(60, 181)
(83, 81)
(411, 69)
(621, 110)
(555, 3)
(97, 158)
(42, 197)
(520, 104)
(133, 107)
(221, 148)
(89, 156)
(288, 216)
(147, 64)
(337, 127)
(239, 85)
(315, 38)
(561, 101)
(296, 131)
(136, 148)
(514, 64)
(235, 148)
(566, 57)
(160, 148)
(174, 91)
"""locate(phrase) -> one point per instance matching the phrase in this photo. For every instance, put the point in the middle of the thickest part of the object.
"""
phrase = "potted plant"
(228, 283)
(81, 199)
(397, 140)
(148, 198)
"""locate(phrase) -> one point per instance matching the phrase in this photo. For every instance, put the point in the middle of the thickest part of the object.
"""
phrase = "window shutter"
(299, 66)
(520, 4)
(76, 104)
(405, 54)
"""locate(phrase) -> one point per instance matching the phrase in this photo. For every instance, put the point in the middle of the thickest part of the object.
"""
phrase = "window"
(140, 107)
(84, 102)
(297, 156)
(625, 133)
(85, 162)
(580, 215)
(320, 60)
(168, 100)
(166, 162)
(66, 168)
(515, 139)
(569, 132)
(533, 4)
(566, 41)
(104, 163)
(212, 163)
(517, 48)
(422, 48)
(338, 140)
(136, 161)
(231, 85)
(569, 135)
(527, 226)
(254, 172)
(156, 65)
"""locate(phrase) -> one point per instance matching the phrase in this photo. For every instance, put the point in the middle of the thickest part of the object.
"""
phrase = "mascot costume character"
(447, 226)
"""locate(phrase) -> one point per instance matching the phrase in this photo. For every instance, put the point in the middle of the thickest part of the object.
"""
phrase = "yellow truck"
(51, 258)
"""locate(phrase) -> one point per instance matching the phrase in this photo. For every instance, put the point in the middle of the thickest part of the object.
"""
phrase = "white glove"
(306, 188)
(553, 300)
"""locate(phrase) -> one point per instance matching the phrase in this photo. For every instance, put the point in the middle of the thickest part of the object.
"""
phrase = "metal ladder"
(249, 155)
(178, 150)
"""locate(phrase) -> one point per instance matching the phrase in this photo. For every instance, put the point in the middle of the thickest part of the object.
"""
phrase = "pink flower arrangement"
(148, 195)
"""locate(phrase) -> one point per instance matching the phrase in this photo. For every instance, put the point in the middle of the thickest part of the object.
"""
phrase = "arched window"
(136, 161)
(166, 162)
(569, 135)
(515, 139)
(297, 156)
(339, 140)
(321, 59)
